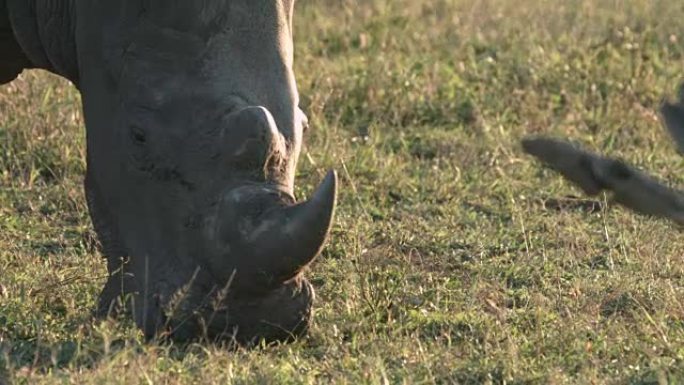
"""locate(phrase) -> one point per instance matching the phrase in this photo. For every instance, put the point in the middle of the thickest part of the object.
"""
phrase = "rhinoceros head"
(193, 134)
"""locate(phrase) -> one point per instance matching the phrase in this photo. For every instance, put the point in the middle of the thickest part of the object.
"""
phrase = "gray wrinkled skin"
(193, 135)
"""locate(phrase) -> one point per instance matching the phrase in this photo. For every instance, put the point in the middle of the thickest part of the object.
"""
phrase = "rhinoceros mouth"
(279, 315)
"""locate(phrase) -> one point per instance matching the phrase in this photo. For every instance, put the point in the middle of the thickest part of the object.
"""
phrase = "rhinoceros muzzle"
(278, 315)
(263, 241)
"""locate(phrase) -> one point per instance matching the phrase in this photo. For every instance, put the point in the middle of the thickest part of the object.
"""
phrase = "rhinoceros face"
(193, 132)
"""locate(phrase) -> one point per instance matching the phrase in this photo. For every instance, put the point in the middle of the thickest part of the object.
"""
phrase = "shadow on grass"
(80, 343)
(30, 356)
(95, 342)
(665, 375)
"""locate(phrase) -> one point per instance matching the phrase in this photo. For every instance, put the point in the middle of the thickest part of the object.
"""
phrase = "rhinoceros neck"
(45, 31)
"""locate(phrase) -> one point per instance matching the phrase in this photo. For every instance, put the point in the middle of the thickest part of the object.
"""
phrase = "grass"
(445, 264)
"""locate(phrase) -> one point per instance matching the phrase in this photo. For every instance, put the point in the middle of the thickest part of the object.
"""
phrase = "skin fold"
(14, 60)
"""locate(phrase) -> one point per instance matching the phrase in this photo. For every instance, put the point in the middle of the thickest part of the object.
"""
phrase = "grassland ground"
(454, 258)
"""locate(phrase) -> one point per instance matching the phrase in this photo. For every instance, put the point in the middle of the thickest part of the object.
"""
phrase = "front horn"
(289, 238)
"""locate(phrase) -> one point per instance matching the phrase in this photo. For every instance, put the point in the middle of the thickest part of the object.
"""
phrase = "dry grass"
(445, 266)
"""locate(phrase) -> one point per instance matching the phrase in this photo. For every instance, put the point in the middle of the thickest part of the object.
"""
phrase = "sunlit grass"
(445, 266)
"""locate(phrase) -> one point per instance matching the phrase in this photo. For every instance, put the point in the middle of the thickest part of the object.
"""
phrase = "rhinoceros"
(193, 134)
(630, 187)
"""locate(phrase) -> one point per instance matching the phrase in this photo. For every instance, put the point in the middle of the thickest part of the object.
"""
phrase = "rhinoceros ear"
(593, 173)
(673, 117)
(573, 163)
(13, 58)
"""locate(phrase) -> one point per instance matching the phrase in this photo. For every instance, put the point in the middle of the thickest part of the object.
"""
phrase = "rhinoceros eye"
(138, 135)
